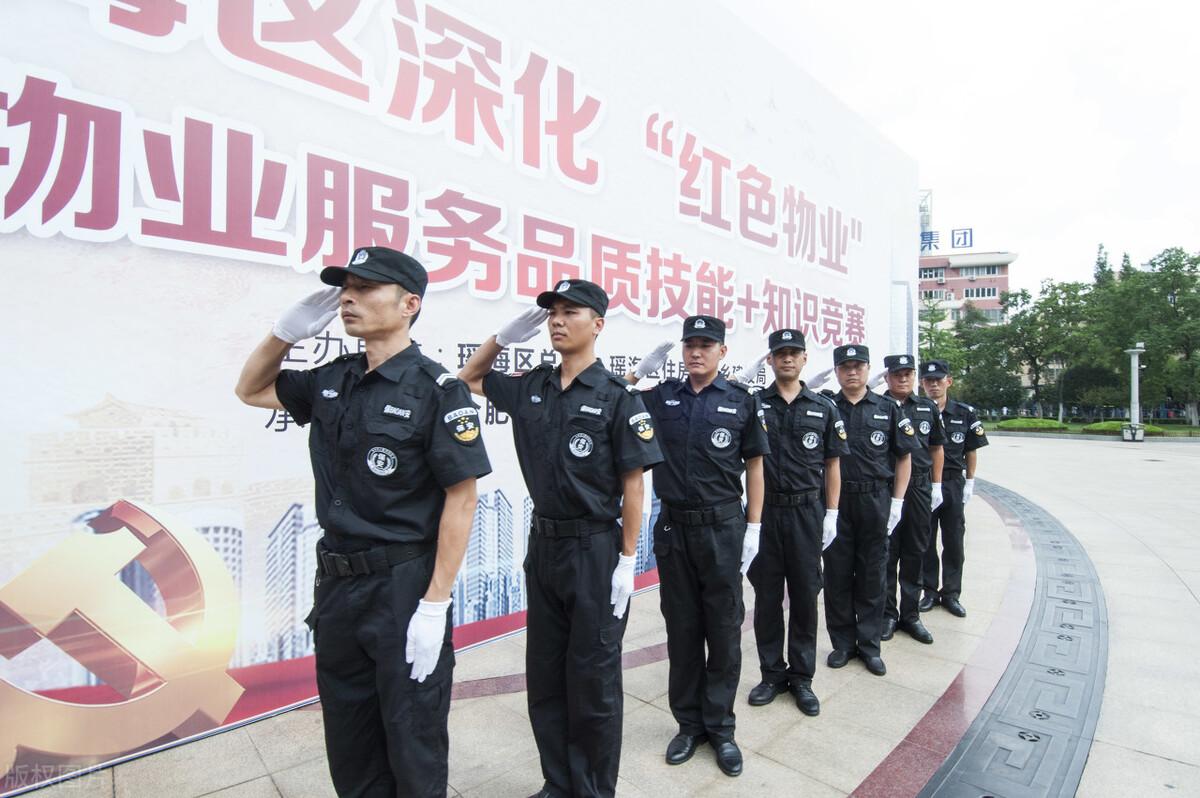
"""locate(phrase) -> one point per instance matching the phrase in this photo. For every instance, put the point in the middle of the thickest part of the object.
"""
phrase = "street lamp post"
(1135, 410)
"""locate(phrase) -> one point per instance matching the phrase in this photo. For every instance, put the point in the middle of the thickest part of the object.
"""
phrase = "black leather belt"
(792, 499)
(361, 563)
(575, 528)
(703, 516)
(870, 486)
(921, 477)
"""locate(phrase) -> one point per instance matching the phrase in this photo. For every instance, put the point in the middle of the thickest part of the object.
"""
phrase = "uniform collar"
(870, 396)
(591, 376)
(805, 392)
(720, 384)
(394, 367)
(906, 400)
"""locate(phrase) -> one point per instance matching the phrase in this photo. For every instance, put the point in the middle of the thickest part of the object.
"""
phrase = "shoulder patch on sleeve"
(463, 424)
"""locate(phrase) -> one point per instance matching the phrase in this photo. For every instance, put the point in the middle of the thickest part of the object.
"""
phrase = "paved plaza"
(1133, 509)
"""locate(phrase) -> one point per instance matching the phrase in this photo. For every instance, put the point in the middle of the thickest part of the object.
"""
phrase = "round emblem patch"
(721, 437)
(810, 440)
(381, 461)
(360, 257)
(957, 437)
(925, 427)
(563, 286)
(463, 424)
(580, 444)
(877, 437)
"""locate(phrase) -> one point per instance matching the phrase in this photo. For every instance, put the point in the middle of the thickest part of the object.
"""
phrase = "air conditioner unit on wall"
(971, 277)
(941, 281)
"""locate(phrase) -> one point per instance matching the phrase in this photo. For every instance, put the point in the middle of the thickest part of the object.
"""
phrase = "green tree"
(1103, 273)
(934, 340)
(1027, 336)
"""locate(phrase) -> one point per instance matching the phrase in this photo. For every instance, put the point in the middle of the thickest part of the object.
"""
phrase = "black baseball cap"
(899, 362)
(785, 339)
(579, 292)
(704, 327)
(380, 265)
(851, 352)
(935, 369)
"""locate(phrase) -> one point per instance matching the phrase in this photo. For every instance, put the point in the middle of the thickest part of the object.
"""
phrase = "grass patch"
(1114, 428)
(1032, 425)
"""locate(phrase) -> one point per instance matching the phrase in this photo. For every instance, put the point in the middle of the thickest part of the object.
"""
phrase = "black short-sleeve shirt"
(803, 433)
(574, 445)
(384, 445)
(706, 440)
(878, 432)
(924, 414)
(963, 433)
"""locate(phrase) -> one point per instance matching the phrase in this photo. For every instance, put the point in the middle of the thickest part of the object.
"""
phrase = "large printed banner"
(172, 175)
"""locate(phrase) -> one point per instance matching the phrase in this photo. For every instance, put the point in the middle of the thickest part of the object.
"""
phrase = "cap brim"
(546, 300)
(852, 359)
(787, 345)
(712, 336)
(937, 375)
(900, 367)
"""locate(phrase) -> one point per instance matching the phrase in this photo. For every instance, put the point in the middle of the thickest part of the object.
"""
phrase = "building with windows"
(953, 280)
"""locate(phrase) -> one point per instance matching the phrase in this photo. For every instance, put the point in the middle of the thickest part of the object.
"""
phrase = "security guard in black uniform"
(396, 450)
(584, 440)
(964, 435)
(712, 430)
(906, 546)
(803, 477)
(877, 468)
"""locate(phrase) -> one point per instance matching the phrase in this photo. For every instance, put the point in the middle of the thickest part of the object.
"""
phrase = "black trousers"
(700, 592)
(950, 517)
(789, 554)
(385, 734)
(854, 571)
(906, 549)
(573, 662)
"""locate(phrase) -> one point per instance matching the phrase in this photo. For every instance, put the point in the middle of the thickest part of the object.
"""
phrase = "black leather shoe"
(729, 758)
(806, 700)
(953, 607)
(765, 693)
(838, 658)
(927, 602)
(889, 628)
(682, 746)
(875, 665)
(916, 630)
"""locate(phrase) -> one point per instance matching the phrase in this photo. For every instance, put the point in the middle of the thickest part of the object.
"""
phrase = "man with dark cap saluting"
(584, 440)
(906, 546)
(396, 450)
(712, 432)
(875, 470)
(803, 478)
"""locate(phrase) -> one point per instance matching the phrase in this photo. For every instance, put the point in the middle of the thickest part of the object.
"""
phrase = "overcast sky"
(1047, 127)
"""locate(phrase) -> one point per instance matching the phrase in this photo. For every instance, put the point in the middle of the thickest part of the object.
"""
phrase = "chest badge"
(811, 440)
(878, 438)
(671, 402)
(642, 426)
(537, 400)
(580, 444)
(381, 461)
(463, 424)
(957, 437)
(402, 412)
(721, 437)
(924, 427)
(329, 393)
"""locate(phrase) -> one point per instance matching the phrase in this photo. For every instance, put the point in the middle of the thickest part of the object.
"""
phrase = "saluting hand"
(523, 327)
(653, 361)
(750, 545)
(622, 584)
(876, 380)
(748, 373)
(894, 515)
(820, 379)
(309, 316)
(426, 634)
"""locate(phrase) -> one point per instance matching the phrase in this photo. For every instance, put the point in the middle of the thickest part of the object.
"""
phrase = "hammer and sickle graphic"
(170, 670)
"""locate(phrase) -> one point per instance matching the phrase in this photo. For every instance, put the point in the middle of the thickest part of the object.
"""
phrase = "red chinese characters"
(568, 123)
(463, 243)
(346, 205)
(617, 268)
(548, 253)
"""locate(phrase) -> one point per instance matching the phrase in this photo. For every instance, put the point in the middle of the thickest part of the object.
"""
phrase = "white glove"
(937, 496)
(828, 529)
(748, 373)
(875, 380)
(309, 316)
(820, 379)
(894, 515)
(426, 634)
(750, 545)
(622, 584)
(968, 490)
(653, 361)
(523, 327)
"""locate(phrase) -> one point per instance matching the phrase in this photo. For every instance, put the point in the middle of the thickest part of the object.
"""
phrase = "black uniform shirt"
(924, 414)
(964, 433)
(804, 433)
(574, 445)
(706, 440)
(879, 433)
(384, 445)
